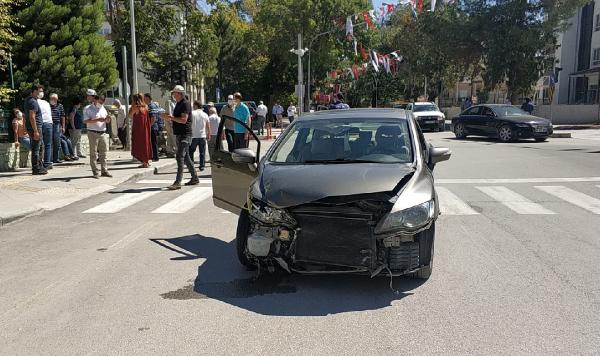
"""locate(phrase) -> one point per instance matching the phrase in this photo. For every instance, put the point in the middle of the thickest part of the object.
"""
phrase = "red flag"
(367, 19)
(363, 53)
(355, 71)
(420, 6)
(390, 8)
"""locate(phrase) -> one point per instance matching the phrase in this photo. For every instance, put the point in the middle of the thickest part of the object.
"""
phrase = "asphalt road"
(133, 271)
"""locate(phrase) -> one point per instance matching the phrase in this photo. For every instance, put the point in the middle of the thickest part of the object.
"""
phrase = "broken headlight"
(268, 214)
(410, 219)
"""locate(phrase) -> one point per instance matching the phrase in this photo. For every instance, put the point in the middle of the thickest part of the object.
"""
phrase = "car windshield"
(509, 111)
(345, 141)
(429, 107)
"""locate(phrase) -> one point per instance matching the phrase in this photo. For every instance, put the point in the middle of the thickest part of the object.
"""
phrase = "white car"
(428, 115)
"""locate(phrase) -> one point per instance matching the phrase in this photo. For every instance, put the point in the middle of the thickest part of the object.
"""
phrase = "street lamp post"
(12, 78)
(133, 47)
(300, 52)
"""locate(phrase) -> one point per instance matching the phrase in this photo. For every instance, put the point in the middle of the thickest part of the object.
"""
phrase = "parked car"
(338, 192)
(428, 115)
(505, 122)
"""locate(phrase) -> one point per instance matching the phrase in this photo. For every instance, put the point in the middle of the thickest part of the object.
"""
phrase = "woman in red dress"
(141, 148)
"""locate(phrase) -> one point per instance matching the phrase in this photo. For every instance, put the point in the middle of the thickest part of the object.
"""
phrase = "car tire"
(241, 239)
(506, 133)
(459, 130)
(541, 139)
(442, 128)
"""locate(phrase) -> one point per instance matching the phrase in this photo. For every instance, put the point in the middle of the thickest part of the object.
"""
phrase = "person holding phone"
(96, 117)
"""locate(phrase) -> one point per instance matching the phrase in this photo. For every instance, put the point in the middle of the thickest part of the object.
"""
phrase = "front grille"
(405, 257)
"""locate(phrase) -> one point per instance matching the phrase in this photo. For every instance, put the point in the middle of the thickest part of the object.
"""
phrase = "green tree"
(7, 39)
(64, 50)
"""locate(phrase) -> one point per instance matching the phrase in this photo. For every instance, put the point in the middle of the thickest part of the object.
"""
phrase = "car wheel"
(506, 133)
(425, 272)
(540, 139)
(459, 130)
(442, 127)
(241, 239)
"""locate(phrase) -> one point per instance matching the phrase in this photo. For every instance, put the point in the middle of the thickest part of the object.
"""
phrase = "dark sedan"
(505, 122)
(338, 192)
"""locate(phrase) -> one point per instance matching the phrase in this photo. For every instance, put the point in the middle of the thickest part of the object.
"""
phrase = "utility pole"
(300, 53)
(133, 47)
(12, 78)
(126, 95)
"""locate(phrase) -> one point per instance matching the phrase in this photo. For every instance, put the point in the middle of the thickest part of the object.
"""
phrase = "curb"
(561, 135)
(25, 214)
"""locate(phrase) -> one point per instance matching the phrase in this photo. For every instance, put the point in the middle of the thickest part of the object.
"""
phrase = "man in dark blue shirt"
(157, 124)
(58, 128)
(33, 124)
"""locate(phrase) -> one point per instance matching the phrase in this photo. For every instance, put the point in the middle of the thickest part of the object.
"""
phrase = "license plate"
(430, 121)
(541, 129)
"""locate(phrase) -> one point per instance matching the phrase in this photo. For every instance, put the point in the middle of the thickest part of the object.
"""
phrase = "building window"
(596, 58)
(597, 27)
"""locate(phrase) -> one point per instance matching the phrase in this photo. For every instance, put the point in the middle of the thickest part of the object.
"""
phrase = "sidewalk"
(22, 194)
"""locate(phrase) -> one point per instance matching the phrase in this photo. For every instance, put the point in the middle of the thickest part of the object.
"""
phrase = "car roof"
(423, 103)
(366, 114)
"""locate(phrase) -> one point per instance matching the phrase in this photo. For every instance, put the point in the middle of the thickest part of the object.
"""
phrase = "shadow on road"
(221, 277)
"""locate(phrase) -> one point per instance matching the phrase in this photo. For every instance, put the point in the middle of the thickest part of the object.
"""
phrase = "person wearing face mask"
(227, 111)
(33, 124)
(58, 129)
(47, 130)
(95, 117)
(19, 132)
(242, 113)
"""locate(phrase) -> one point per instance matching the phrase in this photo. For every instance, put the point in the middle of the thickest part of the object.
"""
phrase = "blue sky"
(377, 3)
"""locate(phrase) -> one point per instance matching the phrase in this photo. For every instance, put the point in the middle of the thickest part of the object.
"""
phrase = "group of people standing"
(42, 127)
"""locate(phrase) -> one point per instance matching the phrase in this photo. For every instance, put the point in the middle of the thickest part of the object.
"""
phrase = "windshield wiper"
(340, 160)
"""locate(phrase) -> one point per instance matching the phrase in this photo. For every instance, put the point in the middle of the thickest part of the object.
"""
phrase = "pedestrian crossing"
(454, 199)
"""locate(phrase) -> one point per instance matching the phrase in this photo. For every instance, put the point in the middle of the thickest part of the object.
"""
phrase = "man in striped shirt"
(58, 126)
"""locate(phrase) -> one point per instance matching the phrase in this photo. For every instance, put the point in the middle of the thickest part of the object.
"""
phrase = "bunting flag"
(355, 71)
(349, 27)
(433, 5)
(419, 6)
(363, 53)
(355, 47)
(367, 19)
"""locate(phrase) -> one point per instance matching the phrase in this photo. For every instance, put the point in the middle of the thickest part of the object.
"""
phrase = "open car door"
(233, 168)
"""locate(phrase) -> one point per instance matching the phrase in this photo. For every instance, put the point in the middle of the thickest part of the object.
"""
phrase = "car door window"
(472, 111)
(488, 112)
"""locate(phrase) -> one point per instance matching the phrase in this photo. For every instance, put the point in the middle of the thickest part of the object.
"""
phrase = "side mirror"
(243, 155)
(439, 154)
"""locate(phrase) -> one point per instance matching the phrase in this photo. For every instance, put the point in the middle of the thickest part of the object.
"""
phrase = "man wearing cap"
(182, 128)
(227, 111)
(96, 117)
(261, 116)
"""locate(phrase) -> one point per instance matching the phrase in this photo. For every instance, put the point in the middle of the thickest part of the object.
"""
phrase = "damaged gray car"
(338, 192)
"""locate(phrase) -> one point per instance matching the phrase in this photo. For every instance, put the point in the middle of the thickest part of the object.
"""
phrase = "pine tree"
(61, 47)
(7, 39)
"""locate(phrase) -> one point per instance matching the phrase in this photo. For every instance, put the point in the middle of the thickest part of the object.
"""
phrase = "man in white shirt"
(261, 115)
(278, 113)
(291, 112)
(46, 131)
(214, 121)
(96, 117)
(200, 133)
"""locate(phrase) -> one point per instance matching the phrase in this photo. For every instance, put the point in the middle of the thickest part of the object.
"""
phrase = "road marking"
(121, 202)
(515, 180)
(165, 181)
(134, 235)
(574, 197)
(514, 201)
(450, 204)
(185, 202)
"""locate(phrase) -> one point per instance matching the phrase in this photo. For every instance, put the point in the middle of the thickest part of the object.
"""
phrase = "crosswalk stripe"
(515, 201)
(165, 181)
(574, 197)
(121, 202)
(185, 202)
(450, 204)
(515, 180)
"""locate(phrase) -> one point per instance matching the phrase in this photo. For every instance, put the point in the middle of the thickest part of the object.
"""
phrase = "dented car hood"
(285, 186)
